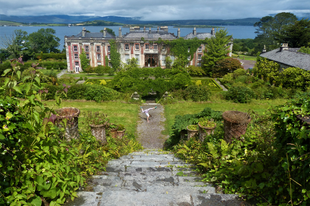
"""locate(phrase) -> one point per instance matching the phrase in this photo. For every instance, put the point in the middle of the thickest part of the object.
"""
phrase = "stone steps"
(150, 178)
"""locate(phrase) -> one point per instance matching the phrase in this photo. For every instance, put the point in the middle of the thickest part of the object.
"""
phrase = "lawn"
(245, 57)
(182, 108)
(118, 113)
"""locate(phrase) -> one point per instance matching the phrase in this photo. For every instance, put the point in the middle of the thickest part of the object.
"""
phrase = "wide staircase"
(151, 178)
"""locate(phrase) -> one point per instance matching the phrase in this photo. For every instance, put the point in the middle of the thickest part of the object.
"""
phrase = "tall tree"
(297, 34)
(15, 43)
(217, 49)
(44, 40)
(84, 60)
(268, 27)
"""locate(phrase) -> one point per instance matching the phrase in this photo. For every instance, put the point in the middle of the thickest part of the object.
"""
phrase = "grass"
(118, 113)
(88, 75)
(182, 108)
(245, 57)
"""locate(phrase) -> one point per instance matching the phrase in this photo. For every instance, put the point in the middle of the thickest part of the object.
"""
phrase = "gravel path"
(61, 73)
(149, 134)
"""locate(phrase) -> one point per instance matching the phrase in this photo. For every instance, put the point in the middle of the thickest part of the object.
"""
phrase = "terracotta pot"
(191, 133)
(204, 131)
(98, 131)
(113, 133)
(235, 124)
(70, 114)
(121, 133)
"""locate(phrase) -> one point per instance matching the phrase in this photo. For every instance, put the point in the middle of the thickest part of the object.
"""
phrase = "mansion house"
(138, 43)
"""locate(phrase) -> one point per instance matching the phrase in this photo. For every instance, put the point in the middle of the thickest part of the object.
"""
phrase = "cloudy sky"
(156, 9)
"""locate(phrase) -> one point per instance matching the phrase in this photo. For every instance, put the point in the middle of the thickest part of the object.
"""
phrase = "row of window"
(137, 47)
(86, 48)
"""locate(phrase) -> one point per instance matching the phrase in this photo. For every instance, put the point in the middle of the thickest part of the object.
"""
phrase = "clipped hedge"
(57, 56)
(97, 93)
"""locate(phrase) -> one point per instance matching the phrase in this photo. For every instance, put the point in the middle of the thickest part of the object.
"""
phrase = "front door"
(77, 69)
(151, 60)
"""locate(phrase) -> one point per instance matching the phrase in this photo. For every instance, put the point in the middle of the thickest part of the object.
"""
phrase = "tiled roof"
(199, 36)
(153, 35)
(289, 57)
(93, 35)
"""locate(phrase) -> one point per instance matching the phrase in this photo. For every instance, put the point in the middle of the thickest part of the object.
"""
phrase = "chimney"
(158, 29)
(104, 32)
(120, 32)
(284, 46)
(264, 50)
(212, 32)
(179, 33)
(83, 32)
(150, 30)
(194, 32)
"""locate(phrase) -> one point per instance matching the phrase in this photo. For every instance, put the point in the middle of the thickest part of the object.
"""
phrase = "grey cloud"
(155, 10)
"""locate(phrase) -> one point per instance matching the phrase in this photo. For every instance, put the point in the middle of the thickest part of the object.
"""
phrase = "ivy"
(115, 56)
(182, 48)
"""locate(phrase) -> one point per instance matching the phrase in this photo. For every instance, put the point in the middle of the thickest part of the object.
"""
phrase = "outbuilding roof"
(149, 35)
(290, 57)
(198, 35)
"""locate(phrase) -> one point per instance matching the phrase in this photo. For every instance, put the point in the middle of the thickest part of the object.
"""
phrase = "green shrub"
(100, 93)
(197, 93)
(225, 66)
(239, 94)
(195, 71)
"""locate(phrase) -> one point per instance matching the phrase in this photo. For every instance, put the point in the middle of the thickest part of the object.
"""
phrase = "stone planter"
(304, 120)
(182, 134)
(98, 131)
(205, 131)
(113, 133)
(121, 133)
(235, 124)
(71, 115)
(191, 133)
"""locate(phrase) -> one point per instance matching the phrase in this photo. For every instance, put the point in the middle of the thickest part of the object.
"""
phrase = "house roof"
(290, 57)
(93, 35)
(148, 35)
(198, 35)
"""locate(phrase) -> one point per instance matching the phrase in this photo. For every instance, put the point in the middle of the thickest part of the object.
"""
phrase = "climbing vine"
(115, 56)
(182, 48)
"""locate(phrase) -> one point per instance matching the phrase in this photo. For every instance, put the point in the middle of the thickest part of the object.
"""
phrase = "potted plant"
(112, 130)
(120, 130)
(235, 124)
(192, 130)
(206, 127)
(71, 115)
(97, 122)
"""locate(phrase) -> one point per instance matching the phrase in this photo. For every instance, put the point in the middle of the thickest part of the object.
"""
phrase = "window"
(76, 63)
(188, 49)
(155, 47)
(200, 48)
(109, 56)
(199, 64)
(87, 48)
(147, 46)
(75, 48)
(199, 56)
(137, 56)
(98, 56)
(126, 57)
(163, 60)
(137, 46)
(126, 46)
(164, 47)
(76, 56)
(189, 58)
(98, 48)
(110, 65)
(87, 56)
(109, 48)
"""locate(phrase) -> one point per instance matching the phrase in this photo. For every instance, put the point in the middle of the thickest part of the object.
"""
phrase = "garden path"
(150, 133)
(61, 73)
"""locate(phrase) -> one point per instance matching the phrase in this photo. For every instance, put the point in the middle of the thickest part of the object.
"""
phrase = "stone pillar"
(120, 32)
(179, 33)
(194, 32)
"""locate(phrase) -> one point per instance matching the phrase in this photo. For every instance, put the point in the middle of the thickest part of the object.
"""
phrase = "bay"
(237, 32)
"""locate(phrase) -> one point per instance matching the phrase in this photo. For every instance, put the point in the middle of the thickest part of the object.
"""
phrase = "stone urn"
(191, 132)
(98, 131)
(205, 130)
(120, 133)
(71, 116)
(235, 124)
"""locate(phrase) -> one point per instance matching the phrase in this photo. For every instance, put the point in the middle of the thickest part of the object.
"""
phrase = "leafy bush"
(195, 71)
(100, 93)
(225, 66)
(57, 56)
(239, 94)
(197, 93)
